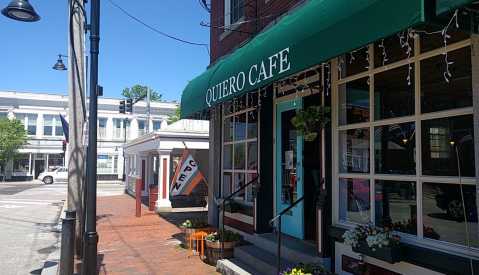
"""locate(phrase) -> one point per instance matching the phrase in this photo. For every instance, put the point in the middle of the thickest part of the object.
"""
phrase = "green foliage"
(198, 222)
(306, 269)
(305, 120)
(138, 90)
(229, 236)
(177, 114)
(13, 137)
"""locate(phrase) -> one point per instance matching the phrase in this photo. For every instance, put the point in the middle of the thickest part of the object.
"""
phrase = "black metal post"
(124, 141)
(68, 243)
(90, 239)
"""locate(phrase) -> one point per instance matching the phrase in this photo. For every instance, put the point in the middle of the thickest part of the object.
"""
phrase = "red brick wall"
(227, 45)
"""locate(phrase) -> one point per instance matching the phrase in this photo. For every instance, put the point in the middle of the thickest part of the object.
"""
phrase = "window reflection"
(443, 213)
(396, 206)
(439, 94)
(438, 156)
(394, 93)
(354, 150)
(354, 200)
(395, 148)
(354, 101)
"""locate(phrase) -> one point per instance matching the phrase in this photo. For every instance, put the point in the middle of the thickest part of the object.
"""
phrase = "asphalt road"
(29, 214)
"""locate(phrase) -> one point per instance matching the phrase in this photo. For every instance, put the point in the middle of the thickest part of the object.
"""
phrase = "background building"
(40, 113)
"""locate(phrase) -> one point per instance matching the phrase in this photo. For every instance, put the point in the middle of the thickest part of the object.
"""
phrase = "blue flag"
(65, 127)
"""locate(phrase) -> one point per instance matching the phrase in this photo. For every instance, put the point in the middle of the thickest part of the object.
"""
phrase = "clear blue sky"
(130, 53)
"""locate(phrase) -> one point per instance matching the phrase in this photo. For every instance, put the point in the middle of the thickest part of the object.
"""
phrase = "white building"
(40, 113)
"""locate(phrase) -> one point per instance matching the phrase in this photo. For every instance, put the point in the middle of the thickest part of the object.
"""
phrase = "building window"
(156, 125)
(117, 128)
(52, 126)
(55, 161)
(102, 127)
(107, 164)
(22, 164)
(29, 121)
(380, 114)
(141, 128)
(234, 11)
(240, 149)
(128, 130)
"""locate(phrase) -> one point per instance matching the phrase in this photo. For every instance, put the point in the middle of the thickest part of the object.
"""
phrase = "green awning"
(448, 6)
(318, 32)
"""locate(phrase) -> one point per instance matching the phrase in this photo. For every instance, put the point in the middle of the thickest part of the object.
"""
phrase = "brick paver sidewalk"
(145, 245)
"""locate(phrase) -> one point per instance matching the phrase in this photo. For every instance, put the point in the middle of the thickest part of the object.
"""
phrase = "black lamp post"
(21, 10)
(90, 239)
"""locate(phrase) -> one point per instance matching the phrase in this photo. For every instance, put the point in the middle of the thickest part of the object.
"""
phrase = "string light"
(384, 54)
(369, 65)
(339, 67)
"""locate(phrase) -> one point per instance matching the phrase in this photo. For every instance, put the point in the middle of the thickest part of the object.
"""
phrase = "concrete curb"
(50, 267)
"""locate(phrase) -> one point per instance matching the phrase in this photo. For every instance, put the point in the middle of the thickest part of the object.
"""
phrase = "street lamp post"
(21, 10)
(90, 239)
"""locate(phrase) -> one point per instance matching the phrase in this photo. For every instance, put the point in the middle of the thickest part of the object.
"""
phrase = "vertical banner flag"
(65, 127)
(187, 175)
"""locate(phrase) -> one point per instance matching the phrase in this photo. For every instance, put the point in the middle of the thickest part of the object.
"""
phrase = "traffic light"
(64, 146)
(122, 107)
(129, 105)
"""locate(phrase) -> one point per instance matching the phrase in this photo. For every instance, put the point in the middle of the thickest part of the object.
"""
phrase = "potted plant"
(189, 227)
(213, 244)
(375, 242)
(310, 121)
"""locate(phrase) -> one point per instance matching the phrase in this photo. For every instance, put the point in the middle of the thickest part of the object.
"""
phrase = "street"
(29, 213)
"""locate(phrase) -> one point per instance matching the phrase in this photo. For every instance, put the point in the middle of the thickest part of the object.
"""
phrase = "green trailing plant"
(229, 236)
(198, 222)
(310, 121)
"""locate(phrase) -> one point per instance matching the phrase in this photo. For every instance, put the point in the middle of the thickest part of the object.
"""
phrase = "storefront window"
(55, 161)
(354, 151)
(395, 204)
(444, 216)
(395, 149)
(394, 93)
(419, 139)
(439, 157)
(439, 91)
(354, 200)
(392, 49)
(106, 164)
(240, 147)
(353, 63)
(354, 102)
(22, 165)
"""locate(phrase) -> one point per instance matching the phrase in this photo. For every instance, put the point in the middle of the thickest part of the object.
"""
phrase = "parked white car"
(60, 174)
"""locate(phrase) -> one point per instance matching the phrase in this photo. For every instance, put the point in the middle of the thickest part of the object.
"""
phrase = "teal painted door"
(289, 170)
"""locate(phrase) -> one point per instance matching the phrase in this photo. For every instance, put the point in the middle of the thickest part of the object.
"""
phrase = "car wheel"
(454, 208)
(48, 180)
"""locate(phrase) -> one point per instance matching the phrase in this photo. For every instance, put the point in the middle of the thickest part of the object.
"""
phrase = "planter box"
(388, 254)
(232, 208)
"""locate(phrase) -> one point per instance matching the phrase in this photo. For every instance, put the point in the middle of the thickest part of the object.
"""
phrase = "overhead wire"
(162, 33)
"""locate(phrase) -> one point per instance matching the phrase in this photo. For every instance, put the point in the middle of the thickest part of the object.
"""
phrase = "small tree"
(138, 90)
(13, 137)
(176, 117)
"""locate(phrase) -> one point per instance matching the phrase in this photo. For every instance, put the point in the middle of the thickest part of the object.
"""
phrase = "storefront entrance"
(289, 169)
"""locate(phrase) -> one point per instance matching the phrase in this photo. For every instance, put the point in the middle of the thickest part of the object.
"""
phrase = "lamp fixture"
(59, 65)
(21, 10)
(404, 140)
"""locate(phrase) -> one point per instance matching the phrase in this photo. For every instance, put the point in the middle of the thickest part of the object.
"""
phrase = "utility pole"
(147, 110)
(77, 113)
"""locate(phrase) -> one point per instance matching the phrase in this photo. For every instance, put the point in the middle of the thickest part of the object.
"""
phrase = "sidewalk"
(149, 244)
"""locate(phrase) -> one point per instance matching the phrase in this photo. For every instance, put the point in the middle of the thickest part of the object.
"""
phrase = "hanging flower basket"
(390, 254)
